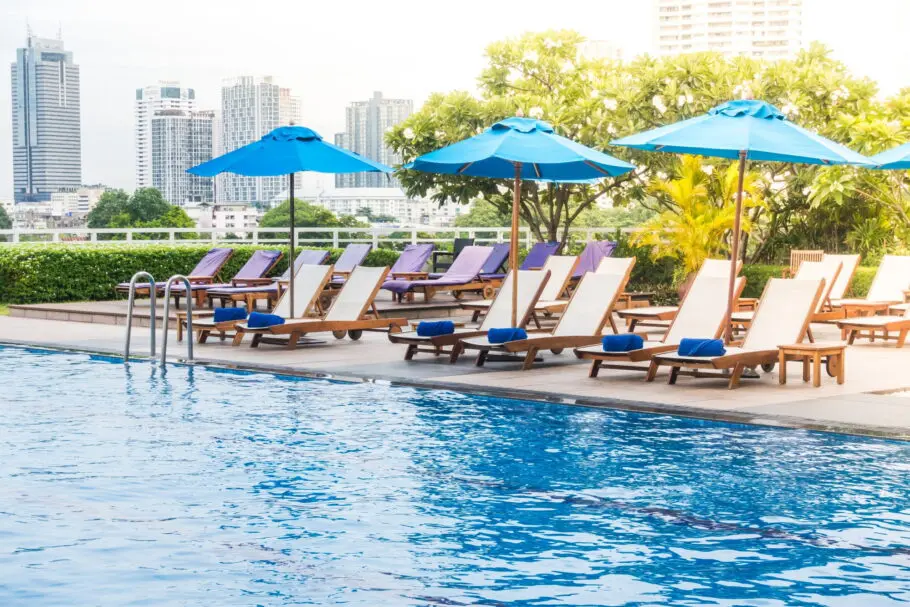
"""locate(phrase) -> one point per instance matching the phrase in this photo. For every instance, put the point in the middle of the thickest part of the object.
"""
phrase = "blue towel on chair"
(501, 336)
(434, 328)
(226, 314)
(701, 347)
(258, 320)
(624, 342)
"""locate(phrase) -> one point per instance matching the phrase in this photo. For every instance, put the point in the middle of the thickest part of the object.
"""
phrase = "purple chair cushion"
(464, 269)
(259, 263)
(591, 257)
(352, 256)
(498, 257)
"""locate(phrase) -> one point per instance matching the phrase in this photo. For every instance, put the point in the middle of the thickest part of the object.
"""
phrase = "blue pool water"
(126, 486)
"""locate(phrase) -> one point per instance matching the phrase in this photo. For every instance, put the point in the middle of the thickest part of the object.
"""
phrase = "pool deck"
(857, 407)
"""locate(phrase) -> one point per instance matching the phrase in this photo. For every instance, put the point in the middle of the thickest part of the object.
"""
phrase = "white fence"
(337, 237)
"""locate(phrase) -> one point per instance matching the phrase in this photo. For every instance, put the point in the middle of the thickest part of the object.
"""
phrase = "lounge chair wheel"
(488, 292)
(556, 350)
(767, 367)
(355, 334)
(832, 366)
(339, 334)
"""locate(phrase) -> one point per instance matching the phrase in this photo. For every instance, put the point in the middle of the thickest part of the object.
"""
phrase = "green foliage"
(53, 273)
(5, 222)
(146, 208)
(484, 214)
(308, 215)
(757, 275)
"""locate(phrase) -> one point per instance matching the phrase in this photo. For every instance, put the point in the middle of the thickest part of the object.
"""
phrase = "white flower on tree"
(408, 133)
(610, 103)
(536, 112)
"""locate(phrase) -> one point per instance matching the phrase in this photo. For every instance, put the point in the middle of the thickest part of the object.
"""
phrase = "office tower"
(290, 113)
(250, 108)
(756, 28)
(47, 139)
(366, 123)
(181, 140)
(166, 95)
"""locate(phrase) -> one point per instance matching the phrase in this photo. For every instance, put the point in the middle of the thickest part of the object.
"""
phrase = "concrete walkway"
(853, 407)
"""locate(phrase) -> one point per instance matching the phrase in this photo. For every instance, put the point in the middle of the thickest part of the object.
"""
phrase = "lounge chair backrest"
(413, 258)
(703, 310)
(560, 268)
(352, 256)
(592, 255)
(891, 280)
(592, 301)
(258, 265)
(468, 264)
(212, 262)
(539, 254)
(530, 284)
(845, 277)
(306, 258)
(828, 269)
(783, 313)
(309, 281)
(357, 294)
(719, 268)
(615, 265)
(798, 256)
(497, 259)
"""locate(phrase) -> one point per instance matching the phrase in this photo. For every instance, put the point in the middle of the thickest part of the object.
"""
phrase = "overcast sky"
(334, 52)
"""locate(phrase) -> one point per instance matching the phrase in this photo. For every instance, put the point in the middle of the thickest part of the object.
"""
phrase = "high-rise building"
(366, 123)
(250, 108)
(166, 95)
(47, 138)
(289, 113)
(181, 140)
(756, 28)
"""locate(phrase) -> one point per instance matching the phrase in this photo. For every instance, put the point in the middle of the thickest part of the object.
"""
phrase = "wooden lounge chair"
(887, 289)
(462, 275)
(885, 328)
(581, 323)
(534, 260)
(560, 269)
(309, 281)
(252, 273)
(458, 245)
(660, 316)
(797, 257)
(205, 272)
(701, 314)
(352, 256)
(352, 312)
(530, 285)
(829, 269)
(270, 292)
(781, 318)
(849, 263)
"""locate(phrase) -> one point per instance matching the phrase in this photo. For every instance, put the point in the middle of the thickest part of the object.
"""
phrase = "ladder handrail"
(167, 315)
(129, 313)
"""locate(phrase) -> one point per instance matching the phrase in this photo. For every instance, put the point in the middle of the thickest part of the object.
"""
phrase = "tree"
(366, 212)
(110, 204)
(308, 216)
(146, 208)
(5, 222)
(484, 214)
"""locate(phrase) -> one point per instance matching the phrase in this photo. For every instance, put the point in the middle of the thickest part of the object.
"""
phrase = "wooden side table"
(832, 353)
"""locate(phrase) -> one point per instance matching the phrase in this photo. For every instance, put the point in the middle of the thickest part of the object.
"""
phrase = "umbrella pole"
(292, 247)
(734, 250)
(513, 243)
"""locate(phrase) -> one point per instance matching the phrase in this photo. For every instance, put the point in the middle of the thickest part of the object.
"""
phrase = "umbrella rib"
(463, 168)
(592, 165)
(536, 170)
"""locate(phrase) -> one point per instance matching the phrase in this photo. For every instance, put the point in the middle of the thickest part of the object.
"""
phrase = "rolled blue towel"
(258, 320)
(501, 336)
(432, 328)
(701, 347)
(226, 314)
(624, 342)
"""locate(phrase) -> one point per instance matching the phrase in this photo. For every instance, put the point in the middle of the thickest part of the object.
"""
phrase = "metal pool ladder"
(167, 316)
(129, 313)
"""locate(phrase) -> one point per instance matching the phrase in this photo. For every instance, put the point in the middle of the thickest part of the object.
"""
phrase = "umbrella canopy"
(285, 151)
(521, 148)
(894, 159)
(744, 129)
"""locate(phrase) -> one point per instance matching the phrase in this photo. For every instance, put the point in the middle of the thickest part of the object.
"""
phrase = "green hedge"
(54, 273)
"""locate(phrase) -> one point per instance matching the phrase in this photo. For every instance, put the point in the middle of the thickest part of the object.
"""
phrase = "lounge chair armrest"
(251, 282)
(201, 280)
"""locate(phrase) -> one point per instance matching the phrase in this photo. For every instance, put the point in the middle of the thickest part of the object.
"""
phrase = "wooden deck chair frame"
(549, 308)
(437, 345)
(731, 365)
(798, 256)
(626, 361)
(367, 319)
(867, 307)
(537, 342)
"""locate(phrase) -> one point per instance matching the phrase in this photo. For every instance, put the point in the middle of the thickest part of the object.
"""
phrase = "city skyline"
(118, 53)
(366, 123)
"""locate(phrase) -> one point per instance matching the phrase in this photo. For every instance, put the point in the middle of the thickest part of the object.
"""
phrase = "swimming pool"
(126, 485)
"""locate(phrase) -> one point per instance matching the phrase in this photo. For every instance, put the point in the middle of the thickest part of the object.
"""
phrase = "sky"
(334, 52)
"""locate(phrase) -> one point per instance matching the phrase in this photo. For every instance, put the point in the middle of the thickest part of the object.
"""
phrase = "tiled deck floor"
(850, 407)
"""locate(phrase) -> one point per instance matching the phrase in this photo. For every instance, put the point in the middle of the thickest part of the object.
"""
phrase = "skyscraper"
(166, 95)
(180, 140)
(290, 112)
(47, 139)
(756, 28)
(366, 123)
(250, 108)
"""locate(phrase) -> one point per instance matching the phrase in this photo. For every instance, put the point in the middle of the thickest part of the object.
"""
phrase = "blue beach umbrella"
(894, 159)
(521, 148)
(285, 151)
(746, 129)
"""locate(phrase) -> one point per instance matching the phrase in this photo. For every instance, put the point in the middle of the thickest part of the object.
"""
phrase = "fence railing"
(335, 237)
